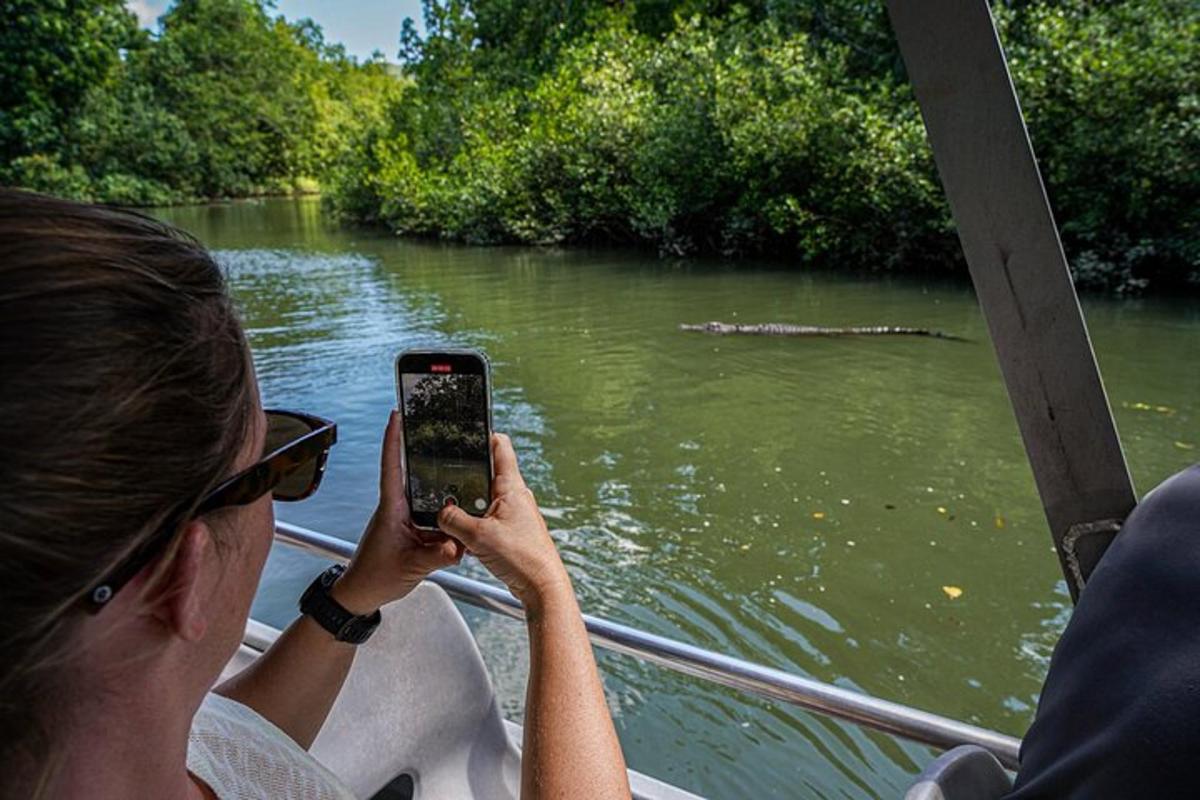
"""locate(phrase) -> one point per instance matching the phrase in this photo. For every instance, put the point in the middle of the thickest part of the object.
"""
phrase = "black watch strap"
(329, 614)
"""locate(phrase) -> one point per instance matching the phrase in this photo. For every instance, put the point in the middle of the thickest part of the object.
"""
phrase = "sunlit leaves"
(226, 100)
(693, 125)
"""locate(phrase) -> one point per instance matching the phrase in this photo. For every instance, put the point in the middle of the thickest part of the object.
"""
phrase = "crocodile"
(785, 329)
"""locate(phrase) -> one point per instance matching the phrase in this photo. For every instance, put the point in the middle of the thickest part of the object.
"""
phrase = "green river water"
(796, 502)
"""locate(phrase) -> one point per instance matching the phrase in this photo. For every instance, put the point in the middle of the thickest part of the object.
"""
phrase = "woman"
(136, 516)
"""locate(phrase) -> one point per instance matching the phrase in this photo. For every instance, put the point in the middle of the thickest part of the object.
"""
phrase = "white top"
(242, 756)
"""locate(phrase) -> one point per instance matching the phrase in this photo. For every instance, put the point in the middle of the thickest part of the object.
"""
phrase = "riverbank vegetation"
(755, 127)
(224, 101)
(779, 128)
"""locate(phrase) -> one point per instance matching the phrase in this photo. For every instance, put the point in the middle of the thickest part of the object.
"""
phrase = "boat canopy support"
(987, 166)
(774, 684)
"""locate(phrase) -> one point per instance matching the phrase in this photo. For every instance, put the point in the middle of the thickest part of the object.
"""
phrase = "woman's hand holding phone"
(393, 556)
(570, 748)
(511, 539)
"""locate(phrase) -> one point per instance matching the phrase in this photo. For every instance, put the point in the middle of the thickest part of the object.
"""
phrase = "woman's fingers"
(427, 537)
(461, 525)
(391, 466)
(504, 460)
(436, 556)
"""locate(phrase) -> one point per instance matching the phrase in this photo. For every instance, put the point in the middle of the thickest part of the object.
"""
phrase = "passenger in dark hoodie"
(1119, 716)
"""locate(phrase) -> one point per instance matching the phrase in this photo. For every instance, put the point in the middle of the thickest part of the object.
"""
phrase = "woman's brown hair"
(125, 394)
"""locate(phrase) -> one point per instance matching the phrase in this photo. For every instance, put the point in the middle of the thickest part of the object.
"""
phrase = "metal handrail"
(822, 698)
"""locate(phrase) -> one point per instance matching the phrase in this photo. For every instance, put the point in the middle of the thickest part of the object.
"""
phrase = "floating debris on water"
(941, 509)
(999, 521)
(1185, 446)
(818, 515)
(1158, 409)
(953, 592)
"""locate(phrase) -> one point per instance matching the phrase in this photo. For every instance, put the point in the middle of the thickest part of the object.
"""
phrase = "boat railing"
(812, 695)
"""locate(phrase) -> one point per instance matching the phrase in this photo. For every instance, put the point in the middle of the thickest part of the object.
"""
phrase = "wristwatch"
(329, 614)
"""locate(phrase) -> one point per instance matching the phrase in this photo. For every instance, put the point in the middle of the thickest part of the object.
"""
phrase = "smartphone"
(445, 401)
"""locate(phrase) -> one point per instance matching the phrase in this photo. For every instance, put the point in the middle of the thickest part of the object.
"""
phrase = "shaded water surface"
(810, 504)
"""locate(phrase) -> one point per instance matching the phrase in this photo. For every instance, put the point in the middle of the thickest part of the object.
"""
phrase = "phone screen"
(447, 452)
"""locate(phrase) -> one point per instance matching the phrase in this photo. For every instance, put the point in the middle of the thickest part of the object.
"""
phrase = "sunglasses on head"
(293, 462)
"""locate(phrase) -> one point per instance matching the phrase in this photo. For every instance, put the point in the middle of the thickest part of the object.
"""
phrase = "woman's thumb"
(455, 522)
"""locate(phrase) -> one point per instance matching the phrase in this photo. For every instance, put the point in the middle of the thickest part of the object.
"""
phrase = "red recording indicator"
(439, 368)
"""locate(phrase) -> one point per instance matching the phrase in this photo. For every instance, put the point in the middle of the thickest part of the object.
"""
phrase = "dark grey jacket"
(1119, 716)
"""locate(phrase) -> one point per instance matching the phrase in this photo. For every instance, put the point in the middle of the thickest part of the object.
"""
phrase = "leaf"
(999, 521)
(941, 509)
(1167, 410)
(953, 592)
(1185, 446)
(818, 515)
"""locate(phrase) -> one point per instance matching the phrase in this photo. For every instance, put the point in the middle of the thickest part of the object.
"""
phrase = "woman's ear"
(183, 600)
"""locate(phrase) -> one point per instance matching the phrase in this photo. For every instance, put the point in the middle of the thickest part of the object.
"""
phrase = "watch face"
(329, 577)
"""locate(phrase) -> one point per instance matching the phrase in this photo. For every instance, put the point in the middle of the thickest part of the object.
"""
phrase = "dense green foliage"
(779, 127)
(764, 126)
(1112, 93)
(224, 101)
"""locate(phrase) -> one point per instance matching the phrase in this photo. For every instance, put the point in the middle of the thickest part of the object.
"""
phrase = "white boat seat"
(966, 772)
(419, 702)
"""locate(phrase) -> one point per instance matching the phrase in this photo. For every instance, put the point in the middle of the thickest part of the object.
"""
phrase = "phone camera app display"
(445, 440)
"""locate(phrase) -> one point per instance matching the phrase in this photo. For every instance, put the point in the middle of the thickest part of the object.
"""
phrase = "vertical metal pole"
(1007, 231)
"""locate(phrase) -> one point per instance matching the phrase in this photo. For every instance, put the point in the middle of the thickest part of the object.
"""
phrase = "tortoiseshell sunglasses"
(293, 462)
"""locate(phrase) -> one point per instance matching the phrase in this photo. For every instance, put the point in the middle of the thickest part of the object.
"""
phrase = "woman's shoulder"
(240, 754)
